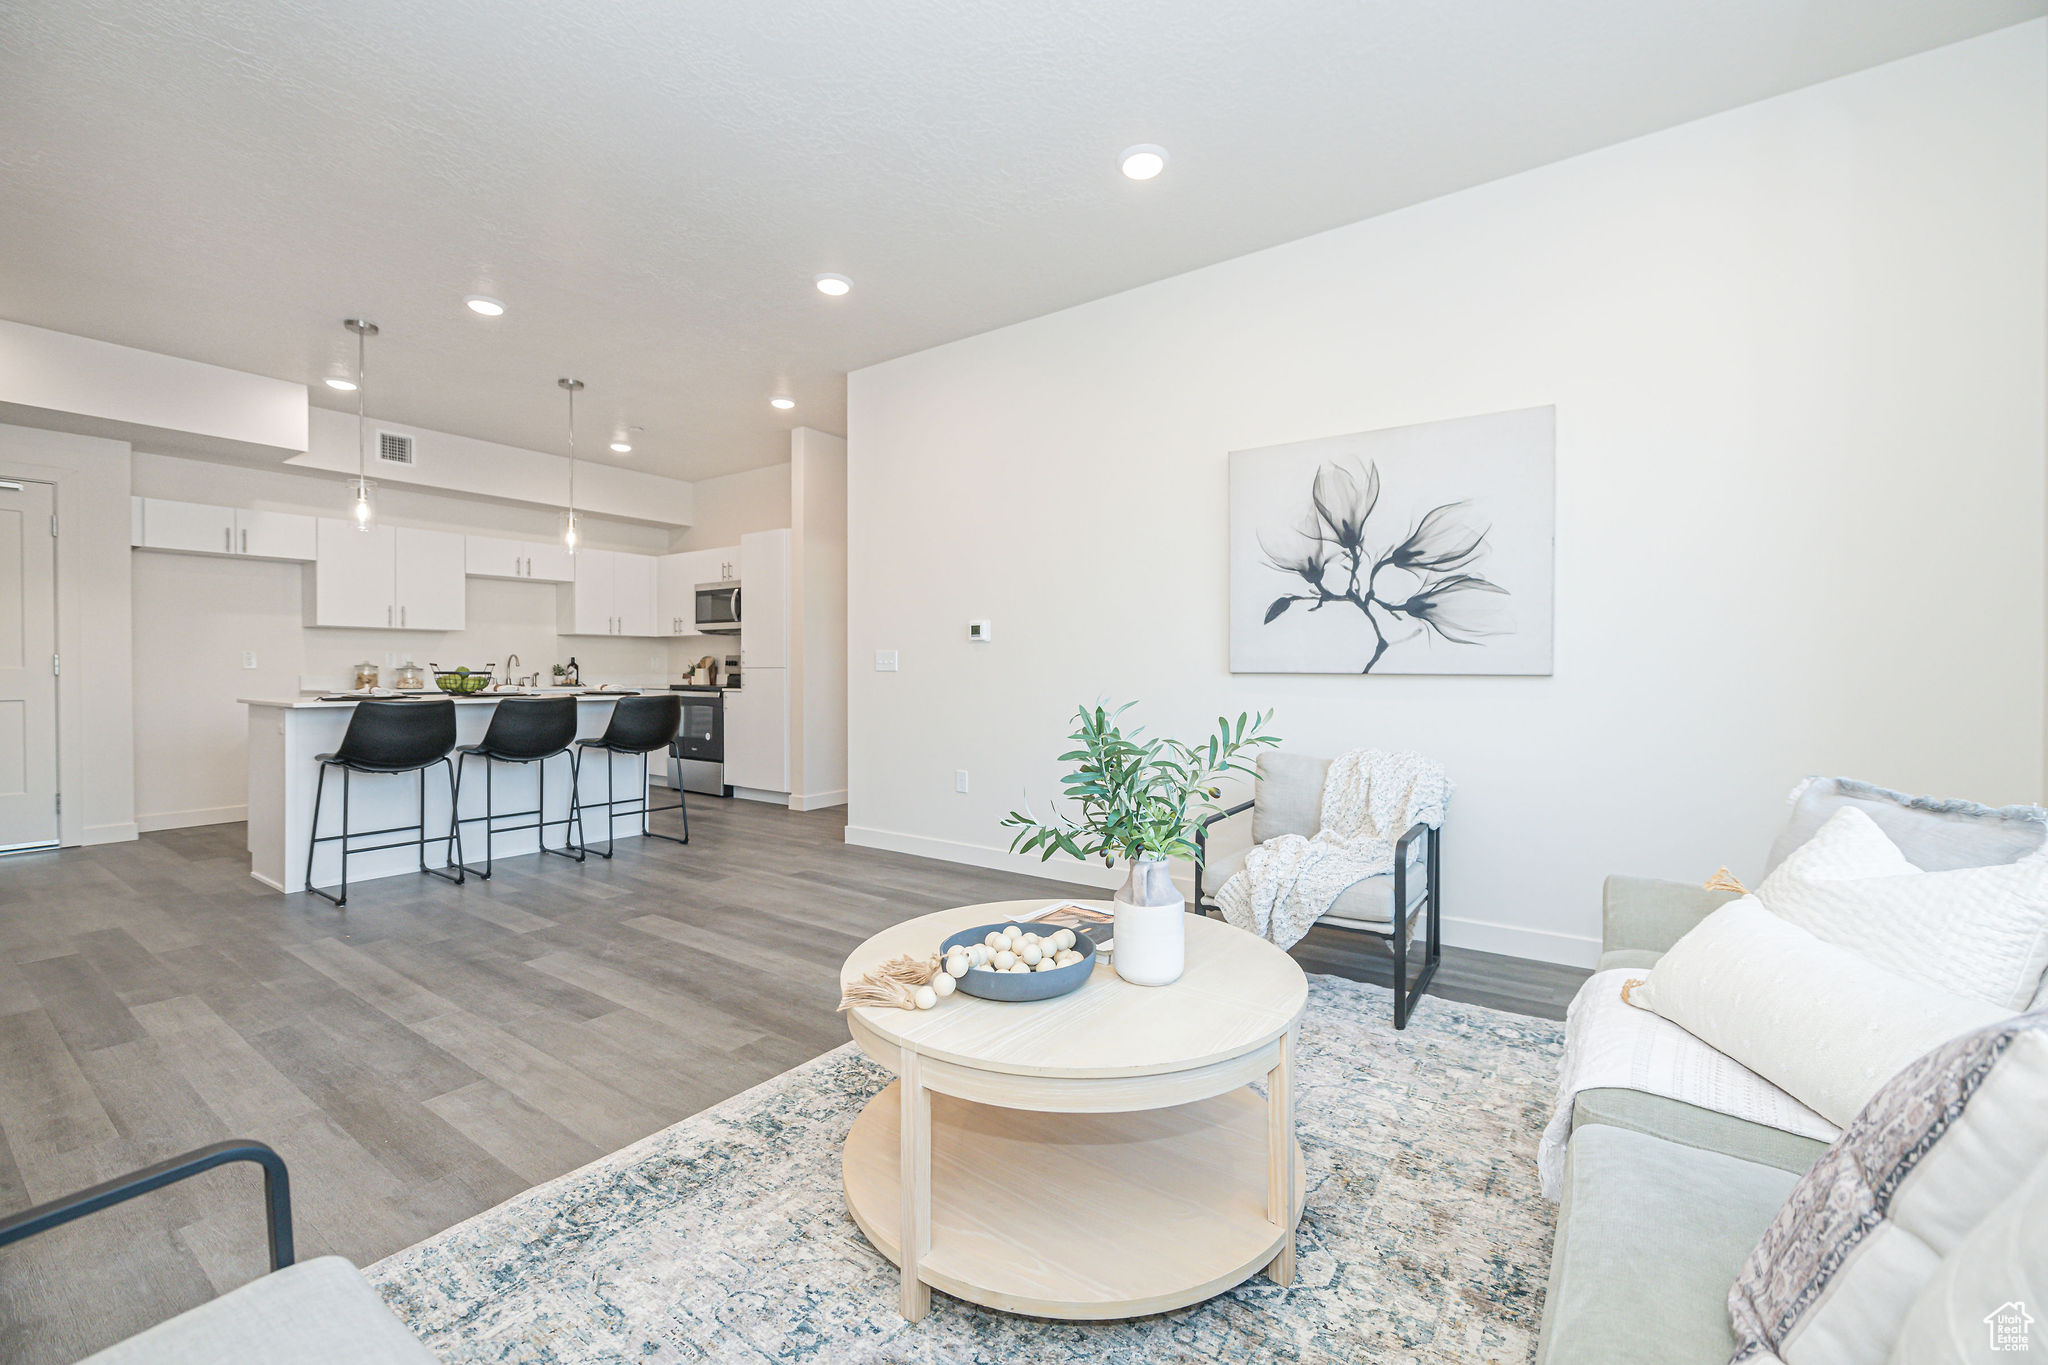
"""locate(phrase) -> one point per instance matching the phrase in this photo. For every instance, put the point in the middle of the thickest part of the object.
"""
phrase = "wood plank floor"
(430, 1050)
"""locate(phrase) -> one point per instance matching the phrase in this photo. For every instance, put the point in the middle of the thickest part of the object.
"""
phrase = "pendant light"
(569, 536)
(363, 510)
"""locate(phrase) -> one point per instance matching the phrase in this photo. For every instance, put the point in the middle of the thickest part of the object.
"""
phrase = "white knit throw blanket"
(1370, 799)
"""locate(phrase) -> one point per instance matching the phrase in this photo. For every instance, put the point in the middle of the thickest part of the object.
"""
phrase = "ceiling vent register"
(392, 448)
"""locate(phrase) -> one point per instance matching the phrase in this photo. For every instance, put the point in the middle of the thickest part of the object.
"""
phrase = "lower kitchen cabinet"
(757, 731)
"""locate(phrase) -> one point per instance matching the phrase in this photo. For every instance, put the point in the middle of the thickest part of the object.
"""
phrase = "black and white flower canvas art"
(1423, 549)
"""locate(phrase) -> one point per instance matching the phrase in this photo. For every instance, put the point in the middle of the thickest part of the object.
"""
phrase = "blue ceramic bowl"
(992, 985)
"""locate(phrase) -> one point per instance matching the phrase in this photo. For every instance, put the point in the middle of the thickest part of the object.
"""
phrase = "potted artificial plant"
(1140, 800)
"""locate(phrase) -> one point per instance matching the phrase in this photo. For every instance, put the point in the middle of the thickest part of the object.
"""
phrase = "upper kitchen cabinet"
(678, 578)
(613, 594)
(539, 561)
(765, 599)
(204, 529)
(389, 578)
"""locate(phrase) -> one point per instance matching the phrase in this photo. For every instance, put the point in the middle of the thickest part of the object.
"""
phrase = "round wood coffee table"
(1095, 1156)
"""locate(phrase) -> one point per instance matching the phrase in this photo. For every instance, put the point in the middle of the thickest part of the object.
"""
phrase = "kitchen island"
(284, 737)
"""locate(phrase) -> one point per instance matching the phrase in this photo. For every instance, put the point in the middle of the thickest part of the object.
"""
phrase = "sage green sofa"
(1662, 1200)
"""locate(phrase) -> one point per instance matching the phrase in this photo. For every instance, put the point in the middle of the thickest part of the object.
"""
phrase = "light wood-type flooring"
(430, 1050)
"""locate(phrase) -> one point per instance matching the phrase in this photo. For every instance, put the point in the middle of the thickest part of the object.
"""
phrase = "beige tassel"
(1628, 986)
(1724, 880)
(893, 984)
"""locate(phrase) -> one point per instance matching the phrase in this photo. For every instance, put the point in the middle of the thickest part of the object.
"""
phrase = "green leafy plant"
(1139, 797)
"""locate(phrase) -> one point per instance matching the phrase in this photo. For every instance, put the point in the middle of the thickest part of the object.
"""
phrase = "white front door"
(28, 665)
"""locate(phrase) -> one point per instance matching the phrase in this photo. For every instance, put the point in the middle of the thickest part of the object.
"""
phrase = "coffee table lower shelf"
(1078, 1216)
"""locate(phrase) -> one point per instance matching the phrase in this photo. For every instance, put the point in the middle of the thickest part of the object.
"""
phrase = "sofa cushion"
(1649, 1237)
(1933, 833)
(1635, 958)
(1947, 1142)
(1976, 1306)
(1819, 1022)
(1692, 1126)
(1976, 931)
(319, 1312)
(1289, 796)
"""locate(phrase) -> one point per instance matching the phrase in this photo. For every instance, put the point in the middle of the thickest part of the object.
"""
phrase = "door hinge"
(57, 664)
(60, 803)
(53, 523)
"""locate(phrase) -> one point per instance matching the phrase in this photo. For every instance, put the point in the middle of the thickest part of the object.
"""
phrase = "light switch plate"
(960, 780)
(979, 631)
(248, 658)
(885, 661)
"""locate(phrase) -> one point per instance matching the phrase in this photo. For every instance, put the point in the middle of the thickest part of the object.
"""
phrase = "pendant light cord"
(362, 439)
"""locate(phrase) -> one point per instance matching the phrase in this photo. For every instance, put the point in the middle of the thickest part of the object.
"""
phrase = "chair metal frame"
(612, 802)
(1396, 936)
(453, 838)
(277, 1194)
(572, 850)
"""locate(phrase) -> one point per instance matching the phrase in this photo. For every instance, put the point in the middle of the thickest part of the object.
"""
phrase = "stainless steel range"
(697, 760)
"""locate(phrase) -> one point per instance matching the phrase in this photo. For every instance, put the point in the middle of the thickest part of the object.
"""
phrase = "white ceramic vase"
(1151, 926)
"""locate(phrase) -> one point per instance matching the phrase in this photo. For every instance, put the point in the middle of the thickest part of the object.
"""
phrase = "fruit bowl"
(990, 985)
(461, 682)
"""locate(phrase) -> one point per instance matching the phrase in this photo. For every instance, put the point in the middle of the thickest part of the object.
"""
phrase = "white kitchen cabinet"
(538, 560)
(205, 529)
(633, 588)
(274, 535)
(676, 586)
(389, 578)
(613, 594)
(764, 600)
(757, 731)
(195, 527)
(431, 590)
(355, 576)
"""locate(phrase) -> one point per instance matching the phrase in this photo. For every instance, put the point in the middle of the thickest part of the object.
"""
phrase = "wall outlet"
(960, 780)
(391, 660)
(885, 661)
(654, 663)
(248, 658)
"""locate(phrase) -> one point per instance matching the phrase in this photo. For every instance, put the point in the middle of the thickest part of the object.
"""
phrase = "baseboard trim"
(185, 819)
(1060, 868)
(118, 833)
(268, 882)
(765, 798)
(1513, 940)
(1538, 945)
(817, 800)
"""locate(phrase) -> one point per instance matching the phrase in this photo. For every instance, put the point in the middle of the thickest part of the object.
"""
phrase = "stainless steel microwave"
(718, 608)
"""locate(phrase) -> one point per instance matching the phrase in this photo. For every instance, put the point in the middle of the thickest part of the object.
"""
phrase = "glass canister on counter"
(409, 678)
(366, 677)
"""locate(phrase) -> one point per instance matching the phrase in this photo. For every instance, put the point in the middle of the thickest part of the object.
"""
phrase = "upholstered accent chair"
(1288, 799)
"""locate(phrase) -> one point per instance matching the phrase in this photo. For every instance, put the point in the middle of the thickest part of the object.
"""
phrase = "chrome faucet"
(510, 659)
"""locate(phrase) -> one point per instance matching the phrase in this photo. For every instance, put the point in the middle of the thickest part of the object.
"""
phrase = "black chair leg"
(609, 838)
(443, 873)
(313, 838)
(647, 804)
(572, 844)
(1400, 946)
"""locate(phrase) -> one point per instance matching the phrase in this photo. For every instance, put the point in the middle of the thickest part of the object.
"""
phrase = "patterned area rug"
(725, 1237)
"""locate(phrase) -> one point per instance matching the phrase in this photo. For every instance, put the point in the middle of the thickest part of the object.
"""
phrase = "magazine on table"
(1098, 925)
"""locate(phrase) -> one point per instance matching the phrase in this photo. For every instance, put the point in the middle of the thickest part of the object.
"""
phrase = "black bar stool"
(388, 737)
(524, 730)
(638, 725)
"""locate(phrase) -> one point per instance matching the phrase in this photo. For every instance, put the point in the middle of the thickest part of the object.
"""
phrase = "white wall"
(196, 615)
(817, 681)
(58, 373)
(485, 469)
(95, 737)
(734, 505)
(1797, 356)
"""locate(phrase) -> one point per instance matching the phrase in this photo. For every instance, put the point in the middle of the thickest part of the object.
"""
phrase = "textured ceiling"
(650, 186)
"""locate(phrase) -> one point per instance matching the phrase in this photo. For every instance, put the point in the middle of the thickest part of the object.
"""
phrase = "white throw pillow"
(1983, 1300)
(1978, 931)
(1940, 1151)
(1814, 1019)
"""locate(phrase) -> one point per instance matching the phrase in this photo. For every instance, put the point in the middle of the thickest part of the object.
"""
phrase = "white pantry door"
(28, 665)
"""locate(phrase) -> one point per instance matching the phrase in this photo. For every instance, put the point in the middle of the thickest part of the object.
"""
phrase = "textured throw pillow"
(1948, 1142)
(1818, 1021)
(1979, 931)
(1933, 833)
(1981, 1304)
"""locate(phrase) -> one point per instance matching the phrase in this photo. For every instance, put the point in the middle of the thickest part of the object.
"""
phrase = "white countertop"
(480, 699)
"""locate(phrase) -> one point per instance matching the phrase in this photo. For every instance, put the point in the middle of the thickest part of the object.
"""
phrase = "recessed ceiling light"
(780, 402)
(345, 385)
(490, 308)
(622, 447)
(1143, 161)
(835, 285)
